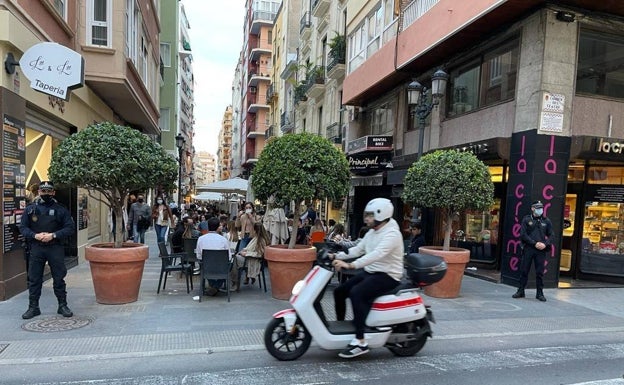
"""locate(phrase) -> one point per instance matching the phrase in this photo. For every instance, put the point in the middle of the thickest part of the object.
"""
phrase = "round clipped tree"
(298, 167)
(451, 181)
(112, 160)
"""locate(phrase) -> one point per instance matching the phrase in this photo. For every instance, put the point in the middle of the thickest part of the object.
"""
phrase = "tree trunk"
(119, 226)
(447, 231)
(295, 230)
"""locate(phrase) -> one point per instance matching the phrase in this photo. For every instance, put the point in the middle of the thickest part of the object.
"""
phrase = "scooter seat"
(405, 284)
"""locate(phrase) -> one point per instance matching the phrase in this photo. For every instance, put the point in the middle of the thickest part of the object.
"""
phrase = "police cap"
(537, 204)
(46, 185)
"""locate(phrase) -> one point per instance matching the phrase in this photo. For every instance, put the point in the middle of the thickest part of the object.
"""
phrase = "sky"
(216, 36)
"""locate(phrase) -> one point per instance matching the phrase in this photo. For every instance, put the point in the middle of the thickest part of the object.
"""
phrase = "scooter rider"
(381, 256)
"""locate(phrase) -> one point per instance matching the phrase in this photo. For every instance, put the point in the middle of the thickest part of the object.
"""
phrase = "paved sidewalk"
(173, 323)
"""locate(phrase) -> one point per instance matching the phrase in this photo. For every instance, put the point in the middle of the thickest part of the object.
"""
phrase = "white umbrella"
(228, 186)
(209, 196)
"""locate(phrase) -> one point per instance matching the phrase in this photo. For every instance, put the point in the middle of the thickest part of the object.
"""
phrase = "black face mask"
(140, 200)
(46, 198)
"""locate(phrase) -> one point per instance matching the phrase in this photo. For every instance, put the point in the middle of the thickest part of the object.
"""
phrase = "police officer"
(45, 224)
(536, 235)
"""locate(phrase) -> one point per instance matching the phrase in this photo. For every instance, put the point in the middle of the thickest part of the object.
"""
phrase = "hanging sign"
(53, 69)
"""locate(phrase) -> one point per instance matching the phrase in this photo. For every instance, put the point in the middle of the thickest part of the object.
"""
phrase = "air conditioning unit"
(253, 90)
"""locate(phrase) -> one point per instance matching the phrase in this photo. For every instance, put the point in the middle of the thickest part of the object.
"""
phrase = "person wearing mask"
(163, 219)
(139, 218)
(380, 254)
(45, 225)
(418, 239)
(247, 221)
(536, 233)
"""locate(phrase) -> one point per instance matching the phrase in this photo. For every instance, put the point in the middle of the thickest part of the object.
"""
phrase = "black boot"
(63, 309)
(33, 309)
(518, 294)
(540, 296)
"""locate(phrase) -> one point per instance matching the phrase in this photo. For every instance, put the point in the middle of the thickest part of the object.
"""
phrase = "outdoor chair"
(168, 265)
(190, 244)
(215, 264)
(244, 269)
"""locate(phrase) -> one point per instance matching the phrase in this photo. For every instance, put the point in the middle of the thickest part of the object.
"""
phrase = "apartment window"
(381, 118)
(600, 70)
(165, 53)
(61, 8)
(487, 79)
(366, 39)
(99, 22)
(165, 117)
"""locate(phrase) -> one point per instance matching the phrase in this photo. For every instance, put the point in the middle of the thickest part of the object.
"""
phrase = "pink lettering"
(520, 191)
(521, 166)
(546, 192)
(515, 229)
(551, 166)
(514, 262)
(513, 244)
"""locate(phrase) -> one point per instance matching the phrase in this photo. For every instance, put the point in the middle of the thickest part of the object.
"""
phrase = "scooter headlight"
(298, 287)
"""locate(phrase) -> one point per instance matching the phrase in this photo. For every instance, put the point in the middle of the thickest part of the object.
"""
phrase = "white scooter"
(398, 320)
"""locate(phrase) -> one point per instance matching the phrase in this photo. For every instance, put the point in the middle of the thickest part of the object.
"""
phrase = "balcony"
(315, 85)
(250, 157)
(332, 132)
(322, 23)
(270, 94)
(270, 132)
(261, 18)
(257, 131)
(415, 10)
(335, 66)
(304, 26)
(287, 122)
(256, 77)
(256, 102)
(320, 7)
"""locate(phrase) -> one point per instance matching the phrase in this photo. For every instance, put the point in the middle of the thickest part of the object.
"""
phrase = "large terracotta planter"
(117, 272)
(287, 267)
(456, 260)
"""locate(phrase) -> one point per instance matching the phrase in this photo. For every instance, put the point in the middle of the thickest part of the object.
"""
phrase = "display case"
(603, 229)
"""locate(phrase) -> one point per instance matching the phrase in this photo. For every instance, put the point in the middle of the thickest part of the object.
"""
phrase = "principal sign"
(53, 69)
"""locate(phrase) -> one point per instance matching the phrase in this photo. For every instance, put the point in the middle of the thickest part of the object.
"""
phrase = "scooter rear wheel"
(411, 347)
(283, 345)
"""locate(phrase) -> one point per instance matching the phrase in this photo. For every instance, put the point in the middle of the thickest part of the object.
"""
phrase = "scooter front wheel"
(283, 344)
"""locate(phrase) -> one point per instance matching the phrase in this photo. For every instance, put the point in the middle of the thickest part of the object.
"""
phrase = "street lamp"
(420, 107)
(180, 145)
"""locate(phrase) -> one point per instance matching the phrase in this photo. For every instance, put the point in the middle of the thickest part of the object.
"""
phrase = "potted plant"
(338, 48)
(113, 160)
(296, 168)
(450, 181)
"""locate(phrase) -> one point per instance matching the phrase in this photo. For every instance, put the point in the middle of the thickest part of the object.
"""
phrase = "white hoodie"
(380, 250)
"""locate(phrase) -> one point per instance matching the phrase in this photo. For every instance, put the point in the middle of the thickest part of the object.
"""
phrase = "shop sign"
(605, 193)
(370, 162)
(53, 69)
(370, 143)
(609, 147)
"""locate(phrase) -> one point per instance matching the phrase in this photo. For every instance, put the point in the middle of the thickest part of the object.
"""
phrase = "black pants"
(537, 258)
(55, 256)
(362, 289)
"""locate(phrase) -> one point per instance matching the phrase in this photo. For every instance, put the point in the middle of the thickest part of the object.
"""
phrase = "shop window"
(599, 70)
(477, 231)
(606, 175)
(488, 79)
(576, 173)
(497, 173)
(569, 210)
(603, 239)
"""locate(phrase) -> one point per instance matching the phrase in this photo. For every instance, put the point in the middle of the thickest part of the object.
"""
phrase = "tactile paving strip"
(56, 324)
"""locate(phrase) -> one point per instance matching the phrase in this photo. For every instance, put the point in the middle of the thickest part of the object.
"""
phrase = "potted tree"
(450, 181)
(296, 168)
(338, 48)
(113, 160)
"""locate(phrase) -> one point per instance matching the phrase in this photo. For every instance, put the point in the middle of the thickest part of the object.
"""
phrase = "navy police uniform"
(535, 228)
(46, 215)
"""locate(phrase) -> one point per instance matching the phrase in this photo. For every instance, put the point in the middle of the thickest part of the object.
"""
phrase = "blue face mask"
(539, 212)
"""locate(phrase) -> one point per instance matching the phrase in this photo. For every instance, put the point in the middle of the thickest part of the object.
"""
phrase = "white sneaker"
(354, 351)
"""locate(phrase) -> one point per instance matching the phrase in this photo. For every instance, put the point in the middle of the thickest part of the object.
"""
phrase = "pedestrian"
(247, 220)
(139, 218)
(380, 254)
(163, 219)
(254, 252)
(45, 225)
(418, 239)
(536, 234)
(212, 240)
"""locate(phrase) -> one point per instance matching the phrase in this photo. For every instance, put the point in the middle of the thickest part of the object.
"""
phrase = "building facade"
(224, 152)
(533, 91)
(118, 41)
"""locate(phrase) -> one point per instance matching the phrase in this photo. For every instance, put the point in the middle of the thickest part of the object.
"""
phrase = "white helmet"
(380, 208)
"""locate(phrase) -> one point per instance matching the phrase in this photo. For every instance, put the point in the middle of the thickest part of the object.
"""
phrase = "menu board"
(13, 180)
